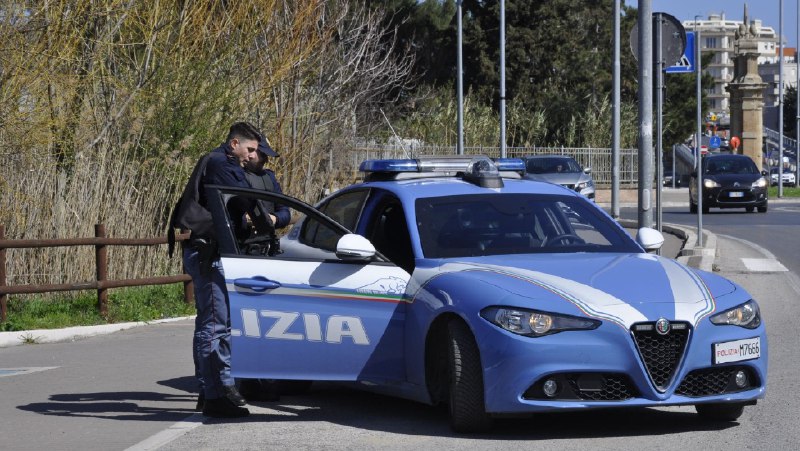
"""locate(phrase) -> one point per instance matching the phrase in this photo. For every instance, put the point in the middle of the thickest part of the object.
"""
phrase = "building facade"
(716, 37)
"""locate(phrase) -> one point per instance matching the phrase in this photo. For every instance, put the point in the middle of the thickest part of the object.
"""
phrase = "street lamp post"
(460, 147)
(698, 156)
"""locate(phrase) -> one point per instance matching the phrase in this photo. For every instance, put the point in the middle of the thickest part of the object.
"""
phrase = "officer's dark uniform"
(266, 180)
(212, 326)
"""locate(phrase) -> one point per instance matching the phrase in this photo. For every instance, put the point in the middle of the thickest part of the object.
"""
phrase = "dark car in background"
(730, 181)
(561, 170)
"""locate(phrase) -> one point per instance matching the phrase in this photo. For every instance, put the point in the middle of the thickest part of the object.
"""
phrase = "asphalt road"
(776, 230)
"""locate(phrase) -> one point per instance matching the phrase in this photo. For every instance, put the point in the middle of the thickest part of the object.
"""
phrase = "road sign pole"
(659, 72)
(698, 156)
(645, 50)
(615, 119)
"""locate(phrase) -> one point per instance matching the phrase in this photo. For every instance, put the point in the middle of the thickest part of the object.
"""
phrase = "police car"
(454, 281)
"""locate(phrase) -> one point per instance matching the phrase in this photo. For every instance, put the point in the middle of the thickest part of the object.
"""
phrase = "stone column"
(747, 93)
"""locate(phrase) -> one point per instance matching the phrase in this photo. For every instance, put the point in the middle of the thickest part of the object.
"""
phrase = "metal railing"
(599, 159)
(101, 282)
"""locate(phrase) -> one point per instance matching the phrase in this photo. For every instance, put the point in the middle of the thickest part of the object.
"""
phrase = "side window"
(344, 209)
(390, 236)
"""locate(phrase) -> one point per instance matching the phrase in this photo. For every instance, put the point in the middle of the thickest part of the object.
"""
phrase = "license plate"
(738, 350)
(736, 194)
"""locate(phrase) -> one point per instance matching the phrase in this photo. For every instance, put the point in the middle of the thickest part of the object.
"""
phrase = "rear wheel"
(720, 412)
(467, 408)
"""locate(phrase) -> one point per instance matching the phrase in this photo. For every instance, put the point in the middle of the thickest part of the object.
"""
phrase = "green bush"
(80, 308)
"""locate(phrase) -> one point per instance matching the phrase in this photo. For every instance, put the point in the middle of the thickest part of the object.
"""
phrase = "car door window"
(344, 209)
(389, 234)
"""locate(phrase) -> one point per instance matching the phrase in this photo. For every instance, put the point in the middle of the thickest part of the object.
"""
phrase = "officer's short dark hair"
(244, 130)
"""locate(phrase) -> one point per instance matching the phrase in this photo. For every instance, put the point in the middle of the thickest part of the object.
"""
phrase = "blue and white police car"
(452, 280)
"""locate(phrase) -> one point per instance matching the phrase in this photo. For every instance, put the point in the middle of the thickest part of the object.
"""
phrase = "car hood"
(625, 288)
(745, 180)
(564, 178)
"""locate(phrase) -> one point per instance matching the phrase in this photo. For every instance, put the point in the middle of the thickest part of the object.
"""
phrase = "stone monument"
(747, 92)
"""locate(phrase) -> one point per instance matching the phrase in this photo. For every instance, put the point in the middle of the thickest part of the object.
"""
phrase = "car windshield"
(491, 224)
(730, 166)
(551, 165)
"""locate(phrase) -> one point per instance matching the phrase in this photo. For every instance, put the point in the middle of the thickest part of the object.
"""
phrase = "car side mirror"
(764, 173)
(649, 239)
(587, 170)
(354, 247)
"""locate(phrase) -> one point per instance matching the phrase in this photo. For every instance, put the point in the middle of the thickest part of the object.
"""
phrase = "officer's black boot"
(201, 400)
(230, 392)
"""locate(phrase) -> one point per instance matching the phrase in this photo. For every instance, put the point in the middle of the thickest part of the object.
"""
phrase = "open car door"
(310, 312)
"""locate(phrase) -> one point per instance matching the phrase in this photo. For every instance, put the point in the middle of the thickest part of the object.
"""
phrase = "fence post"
(101, 264)
(3, 296)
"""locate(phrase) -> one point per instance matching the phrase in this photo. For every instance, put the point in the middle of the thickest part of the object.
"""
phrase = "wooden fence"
(101, 282)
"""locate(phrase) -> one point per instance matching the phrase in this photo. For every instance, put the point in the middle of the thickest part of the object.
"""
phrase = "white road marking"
(5, 372)
(763, 265)
(167, 435)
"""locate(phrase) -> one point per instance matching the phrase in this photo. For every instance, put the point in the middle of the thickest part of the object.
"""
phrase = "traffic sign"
(673, 38)
(714, 142)
(686, 64)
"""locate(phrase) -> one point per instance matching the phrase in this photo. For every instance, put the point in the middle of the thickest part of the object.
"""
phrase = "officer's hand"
(273, 219)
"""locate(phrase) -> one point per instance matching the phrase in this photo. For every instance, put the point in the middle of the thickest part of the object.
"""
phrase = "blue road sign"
(686, 64)
(714, 142)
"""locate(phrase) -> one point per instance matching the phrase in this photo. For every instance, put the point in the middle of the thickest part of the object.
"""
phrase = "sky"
(768, 11)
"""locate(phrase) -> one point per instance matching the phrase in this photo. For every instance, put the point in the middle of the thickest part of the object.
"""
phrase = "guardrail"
(101, 282)
(599, 159)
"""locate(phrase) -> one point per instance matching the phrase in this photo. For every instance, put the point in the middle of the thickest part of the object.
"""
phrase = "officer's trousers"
(212, 334)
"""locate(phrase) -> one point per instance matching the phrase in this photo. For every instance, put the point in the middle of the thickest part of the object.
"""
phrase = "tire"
(692, 206)
(720, 412)
(705, 209)
(762, 209)
(466, 402)
(749, 209)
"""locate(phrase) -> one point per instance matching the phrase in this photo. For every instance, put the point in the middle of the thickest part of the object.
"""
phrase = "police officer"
(259, 177)
(264, 179)
(222, 166)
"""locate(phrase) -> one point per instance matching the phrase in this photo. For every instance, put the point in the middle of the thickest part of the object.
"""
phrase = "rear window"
(552, 165)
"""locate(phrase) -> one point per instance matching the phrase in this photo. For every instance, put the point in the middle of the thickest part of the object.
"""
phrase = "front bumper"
(514, 371)
(723, 197)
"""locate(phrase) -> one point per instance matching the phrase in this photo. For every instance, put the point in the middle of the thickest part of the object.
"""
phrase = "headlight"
(533, 323)
(760, 183)
(708, 183)
(746, 315)
(581, 185)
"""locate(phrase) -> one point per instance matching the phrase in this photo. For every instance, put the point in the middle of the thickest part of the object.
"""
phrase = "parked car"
(561, 170)
(788, 177)
(730, 181)
(454, 281)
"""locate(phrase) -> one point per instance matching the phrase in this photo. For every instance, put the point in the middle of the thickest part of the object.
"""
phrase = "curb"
(690, 255)
(37, 336)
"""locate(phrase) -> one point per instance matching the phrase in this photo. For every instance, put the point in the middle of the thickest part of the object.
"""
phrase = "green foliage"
(788, 191)
(680, 104)
(80, 308)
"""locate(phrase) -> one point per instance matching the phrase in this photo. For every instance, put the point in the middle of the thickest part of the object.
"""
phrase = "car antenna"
(408, 155)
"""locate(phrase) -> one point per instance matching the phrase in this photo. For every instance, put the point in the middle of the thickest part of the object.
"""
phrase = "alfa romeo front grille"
(661, 354)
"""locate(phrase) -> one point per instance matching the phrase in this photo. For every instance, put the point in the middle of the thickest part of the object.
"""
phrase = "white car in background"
(787, 177)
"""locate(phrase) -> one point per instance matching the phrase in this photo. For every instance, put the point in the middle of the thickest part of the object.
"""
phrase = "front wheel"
(720, 412)
(762, 209)
(467, 408)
